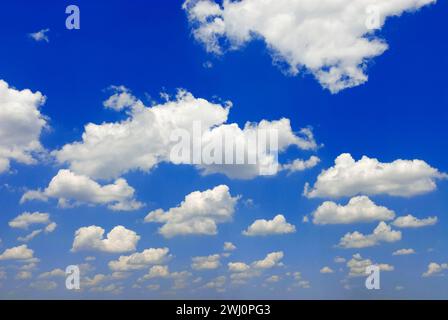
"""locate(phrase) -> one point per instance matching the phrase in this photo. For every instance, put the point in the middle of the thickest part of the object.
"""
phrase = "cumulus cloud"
(43, 285)
(55, 273)
(271, 260)
(238, 266)
(41, 35)
(206, 263)
(404, 178)
(21, 124)
(410, 221)
(435, 269)
(198, 214)
(382, 233)
(332, 40)
(326, 269)
(140, 260)
(18, 253)
(121, 99)
(403, 252)
(185, 130)
(26, 219)
(301, 165)
(358, 209)
(241, 272)
(119, 239)
(229, 246)
(157, 272)
(72, 190)
(357, 266)
(263, 227)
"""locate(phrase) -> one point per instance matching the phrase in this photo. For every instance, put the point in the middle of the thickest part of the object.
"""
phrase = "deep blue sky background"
(401, 112)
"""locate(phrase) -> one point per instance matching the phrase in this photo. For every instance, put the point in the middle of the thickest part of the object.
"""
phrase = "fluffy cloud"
(27, 219)
(263, 227)
(205, 263)
(18, 253)
(119, 239)
(410, 221)
(402, 252)
(358, 209)
(55, 273)
(41, 35)
(241, 272)
(334, 40)
(435, 269)
(157, 272)
(357, 266)
(238, 266)
(140, 260)
(229, 246)
(150, 136)
(368, 176)
(271, 260)
(301, 165)
(121, 99)
(199, 213)
(21, 124)
(382, 233)
(72, 190)
(326, 269)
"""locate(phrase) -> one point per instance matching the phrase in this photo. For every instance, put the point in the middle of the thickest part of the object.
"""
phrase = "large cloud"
(262, 227)
(368, 176)
(150, 136)
(21, 124)
(382, 233)
(72, 189)
(358, 209)
(119, 239)
(198, 214)
(333, 40)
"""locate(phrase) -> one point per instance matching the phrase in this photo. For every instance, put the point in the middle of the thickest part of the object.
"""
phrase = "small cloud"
(41, 35)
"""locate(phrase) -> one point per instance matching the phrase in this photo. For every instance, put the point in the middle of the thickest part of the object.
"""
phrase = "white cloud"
(263, 227)
(119, 239)
(44, 285)
(21, 124)
(357, 266)
(326, 269)
(339, 259)
(27, 219)
(435, 269)
(198, 214)
(55, 273)
(205, 263)
(382, 233)
(30, 236)
(358, 209)
(72, 190)
(410, 221)
(23, 275)
(229, 246)
(140, 260)
(148, 137)
(330, 39)
(404, 178)
(41, 35)
(238, 267)
(402, 252)
(18, 253)
(271, 260)
(301, 165)
(121, 99)
(157, 272)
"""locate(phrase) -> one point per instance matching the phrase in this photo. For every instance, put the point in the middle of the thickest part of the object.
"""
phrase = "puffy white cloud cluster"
(382, 233)
(140, 260)
(198, 214)
(206, 263)
(22, 253)
(358, 209)
(357, 266)
(26, 219)
(301, 165)
(151, 135)
(403, 252)
(333, 40)
(119, 239)
(368, 176)
(409, 221)
(21, 124)
(262, 227)
(72, 189)
(435, 269)
(229, 246)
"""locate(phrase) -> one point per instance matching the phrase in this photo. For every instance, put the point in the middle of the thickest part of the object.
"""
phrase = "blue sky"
(148, 47)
